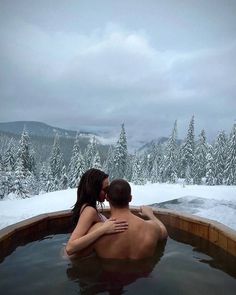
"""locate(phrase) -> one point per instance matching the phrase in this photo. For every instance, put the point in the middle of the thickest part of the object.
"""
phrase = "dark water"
(176, 268)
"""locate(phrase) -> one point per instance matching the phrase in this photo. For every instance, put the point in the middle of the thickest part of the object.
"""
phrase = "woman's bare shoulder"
(89, 211)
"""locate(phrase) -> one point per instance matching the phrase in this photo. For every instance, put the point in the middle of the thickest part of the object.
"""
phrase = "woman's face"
(105, 185)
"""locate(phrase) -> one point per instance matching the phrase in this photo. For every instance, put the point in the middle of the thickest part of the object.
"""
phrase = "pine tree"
(64, 179)
(169, 171)
(23, 154)
(56, 161)
(50, 186)
(220, 156)
(155, 173)
(138, 177)
(120, 155)
(187, 151)
(129, 167)
(151, 156)
(230, 170)
(6, 182)
(8, 160)
(1, 163)
(210, 177)
(19, 184)
(32, 162)
(145, 165)
(32, 184)
(89, 154)
(199, 165)
(108, 163)
(157, 156)
(76, 166)
(96, 161)
(43, 177)
(188, 179)
(2, 177)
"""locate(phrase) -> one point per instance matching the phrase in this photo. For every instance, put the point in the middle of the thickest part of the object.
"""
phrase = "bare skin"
(80, 239)
(137, 242)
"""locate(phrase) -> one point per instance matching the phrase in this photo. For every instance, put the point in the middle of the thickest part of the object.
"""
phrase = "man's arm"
(147, 211)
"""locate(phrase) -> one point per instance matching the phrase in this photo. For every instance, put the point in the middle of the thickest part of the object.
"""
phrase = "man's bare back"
(137, 242)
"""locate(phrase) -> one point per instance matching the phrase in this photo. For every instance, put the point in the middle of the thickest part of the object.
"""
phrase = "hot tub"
(198, 257)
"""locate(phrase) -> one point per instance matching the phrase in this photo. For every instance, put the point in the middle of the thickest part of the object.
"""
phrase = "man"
(140, 239)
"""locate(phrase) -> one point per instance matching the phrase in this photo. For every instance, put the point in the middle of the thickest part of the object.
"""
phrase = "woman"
(92, 189)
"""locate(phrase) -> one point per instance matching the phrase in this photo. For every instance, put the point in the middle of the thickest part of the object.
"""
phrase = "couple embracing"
(122, 236)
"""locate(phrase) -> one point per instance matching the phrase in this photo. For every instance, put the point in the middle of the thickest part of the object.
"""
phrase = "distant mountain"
(42, 137)
(147, 145)
(38, 129)
(160, 140)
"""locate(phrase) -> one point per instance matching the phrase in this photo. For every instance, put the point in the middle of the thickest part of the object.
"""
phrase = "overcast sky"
(95, 64)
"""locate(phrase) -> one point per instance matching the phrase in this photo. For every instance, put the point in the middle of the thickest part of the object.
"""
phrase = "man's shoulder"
(152, 225)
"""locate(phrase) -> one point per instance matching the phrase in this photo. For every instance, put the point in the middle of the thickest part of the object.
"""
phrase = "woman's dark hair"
(88, 191)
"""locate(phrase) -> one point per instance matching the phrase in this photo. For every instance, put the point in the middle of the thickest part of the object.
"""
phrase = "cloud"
(110, 76)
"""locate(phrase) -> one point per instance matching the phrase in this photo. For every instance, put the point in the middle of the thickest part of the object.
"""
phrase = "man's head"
(119, 193)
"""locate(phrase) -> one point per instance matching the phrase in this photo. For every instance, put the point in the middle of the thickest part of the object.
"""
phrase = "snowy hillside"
(213, 202)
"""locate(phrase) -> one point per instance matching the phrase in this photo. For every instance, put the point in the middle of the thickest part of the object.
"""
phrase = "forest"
(25, 173)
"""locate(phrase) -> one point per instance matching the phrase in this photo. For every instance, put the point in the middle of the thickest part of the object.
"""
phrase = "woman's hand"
(112, 226)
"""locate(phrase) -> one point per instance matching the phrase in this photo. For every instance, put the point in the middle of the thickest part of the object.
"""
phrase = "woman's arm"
(81, 239)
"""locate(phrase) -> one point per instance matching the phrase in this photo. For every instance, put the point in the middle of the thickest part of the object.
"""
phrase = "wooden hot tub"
(60, 222)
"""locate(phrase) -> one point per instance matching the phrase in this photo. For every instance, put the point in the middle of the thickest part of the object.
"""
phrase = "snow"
(212, 202)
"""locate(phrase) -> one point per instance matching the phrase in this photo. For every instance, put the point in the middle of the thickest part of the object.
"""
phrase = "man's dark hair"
(119, 193)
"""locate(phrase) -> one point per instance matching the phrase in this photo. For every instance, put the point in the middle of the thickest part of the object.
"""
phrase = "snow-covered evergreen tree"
(50, 185)
(151, 156)
(145, 165)
(188, 179)
(129, 167)
(32, 162)
(20, 186)
(2, 178)
(138, 176)
(220, 156)
(108, 163)
(230, 167)
(76, 165)
(4, 185)
(1, 163)
(210, 176)
(24, 154)
(187, 151)
(24, 178)
(9, 160)
(169, 170)
(157, 156)
(56, 161)
(64, 179)
(32, 184)
(120, 155)
(89, 154)
(96, 161)
(155, 173)
(199, 165)
(43, 178)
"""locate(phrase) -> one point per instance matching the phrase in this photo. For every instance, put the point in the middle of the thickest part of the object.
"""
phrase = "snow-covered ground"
(213, 202)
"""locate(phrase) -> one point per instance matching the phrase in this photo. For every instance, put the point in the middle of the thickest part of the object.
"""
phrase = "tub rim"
(213, 231)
